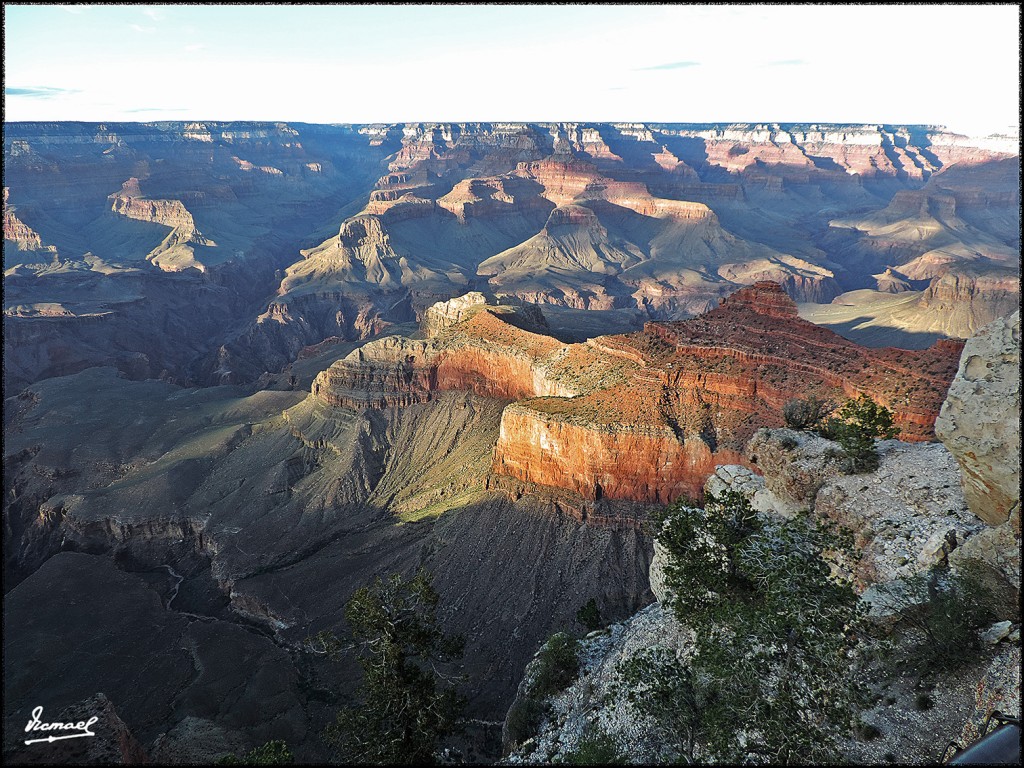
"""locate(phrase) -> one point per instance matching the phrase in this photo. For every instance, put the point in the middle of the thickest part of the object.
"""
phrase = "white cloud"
(140, 28)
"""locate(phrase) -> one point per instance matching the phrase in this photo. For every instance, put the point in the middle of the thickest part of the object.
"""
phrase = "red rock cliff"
(644, 416)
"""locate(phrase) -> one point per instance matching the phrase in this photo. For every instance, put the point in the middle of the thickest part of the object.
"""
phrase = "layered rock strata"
(18, 232)
(644, 416)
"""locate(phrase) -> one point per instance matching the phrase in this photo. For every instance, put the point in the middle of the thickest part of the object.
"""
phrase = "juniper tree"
(406, 706)
(855, 426)
(770, 676)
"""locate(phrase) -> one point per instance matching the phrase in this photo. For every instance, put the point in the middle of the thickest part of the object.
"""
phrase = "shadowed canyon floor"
(273, 510)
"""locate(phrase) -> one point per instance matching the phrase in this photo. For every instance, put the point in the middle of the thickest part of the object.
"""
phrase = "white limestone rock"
(980, 419)
(795, 466)
(907, 515)
(445, 314)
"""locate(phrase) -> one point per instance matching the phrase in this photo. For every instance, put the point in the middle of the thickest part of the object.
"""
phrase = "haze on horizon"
(951, 65)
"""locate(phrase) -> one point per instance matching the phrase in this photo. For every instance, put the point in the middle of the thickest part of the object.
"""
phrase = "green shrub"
(271, 753)
(595, 748)
(405, 706)
(923, 702)
(855, 426)
(806, 414)
(557, 666)
(589, 616)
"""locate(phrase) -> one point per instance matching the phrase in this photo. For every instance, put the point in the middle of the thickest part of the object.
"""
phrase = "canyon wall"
(660, 220)
(644, 416)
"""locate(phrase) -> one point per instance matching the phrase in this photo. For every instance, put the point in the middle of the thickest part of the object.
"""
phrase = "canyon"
(249, 367)
(952, 505)
(644, 416)
(280, 236)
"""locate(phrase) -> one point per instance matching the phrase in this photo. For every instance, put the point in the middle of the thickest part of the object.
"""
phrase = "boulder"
(997, 547)
(980, 420)
(996, 632)
(907, 515)
(795, 465)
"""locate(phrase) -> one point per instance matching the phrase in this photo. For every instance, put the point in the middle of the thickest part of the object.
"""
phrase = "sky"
(952, 65)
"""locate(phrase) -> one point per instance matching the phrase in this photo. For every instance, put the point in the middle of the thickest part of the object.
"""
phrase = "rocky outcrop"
(392, 372)
(795, 466)
(998, 547)
(445, 314)
(563, 179)
(590, 701)
(907, 516)
(18, 232)
(979, 421)
(643, 417)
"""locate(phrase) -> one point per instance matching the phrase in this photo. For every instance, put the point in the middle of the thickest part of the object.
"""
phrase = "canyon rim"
(256, 368)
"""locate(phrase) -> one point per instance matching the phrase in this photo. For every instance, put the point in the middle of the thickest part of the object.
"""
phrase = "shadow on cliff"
(882, 336)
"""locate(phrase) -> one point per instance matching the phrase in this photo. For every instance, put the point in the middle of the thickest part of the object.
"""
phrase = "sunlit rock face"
(285, 235)
(980, 419)
(644, 416)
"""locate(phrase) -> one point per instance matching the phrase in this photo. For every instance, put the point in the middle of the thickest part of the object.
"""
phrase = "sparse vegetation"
(271, 753)
(405, 704)
(589, 616)
(775, 635)
(855, 426)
